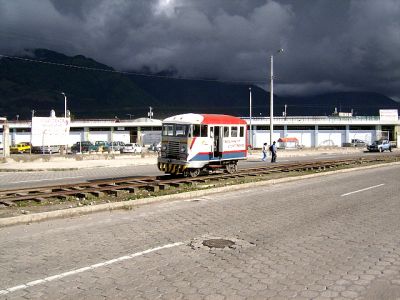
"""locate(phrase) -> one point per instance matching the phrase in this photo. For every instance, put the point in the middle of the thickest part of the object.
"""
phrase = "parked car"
(358, 143)
(84, 146)
(101, 146)
(23, 147)
(116, 146)
(132, 148)
(50, 149)
(380, 146)
(156, 147)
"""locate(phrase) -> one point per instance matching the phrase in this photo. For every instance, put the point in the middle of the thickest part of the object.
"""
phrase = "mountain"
(26, 85)
(36, 82)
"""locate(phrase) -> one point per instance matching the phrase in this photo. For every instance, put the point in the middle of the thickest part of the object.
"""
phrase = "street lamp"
(271, 99)
(65, 104)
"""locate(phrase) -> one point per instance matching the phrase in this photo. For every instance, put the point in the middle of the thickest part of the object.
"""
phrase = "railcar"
(192, 143)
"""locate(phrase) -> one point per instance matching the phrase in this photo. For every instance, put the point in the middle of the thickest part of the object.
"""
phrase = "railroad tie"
(97, 194)
(163, 186)
(7, 203)
(39, 199)
(82, 195)
(132, 190)
(115, 193)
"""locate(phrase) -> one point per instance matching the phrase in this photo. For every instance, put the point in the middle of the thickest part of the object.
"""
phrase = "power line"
(129, 73)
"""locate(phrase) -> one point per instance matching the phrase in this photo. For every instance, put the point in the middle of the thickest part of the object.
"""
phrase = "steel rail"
(114, 186)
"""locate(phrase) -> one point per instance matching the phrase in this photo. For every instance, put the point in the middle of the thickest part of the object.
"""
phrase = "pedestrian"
(264, 152)
(272, 148)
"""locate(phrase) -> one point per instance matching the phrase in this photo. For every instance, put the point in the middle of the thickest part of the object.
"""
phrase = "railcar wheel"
(192, 172)
(231, 168)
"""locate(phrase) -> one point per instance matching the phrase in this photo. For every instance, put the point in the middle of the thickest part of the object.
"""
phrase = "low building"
(144, 131)
(318, 131)
(323, 131)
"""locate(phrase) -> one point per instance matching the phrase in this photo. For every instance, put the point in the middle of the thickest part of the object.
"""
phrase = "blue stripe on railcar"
(208, 156)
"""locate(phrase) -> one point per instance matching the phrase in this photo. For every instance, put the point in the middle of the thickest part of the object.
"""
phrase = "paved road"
(10, 180)
(336, 236)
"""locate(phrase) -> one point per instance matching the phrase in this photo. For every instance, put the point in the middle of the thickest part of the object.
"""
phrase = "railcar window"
(168, 129)
(203, 130)
(226, 131)
(196, 130)
(241, 131)
(234, 131)
(181, 130)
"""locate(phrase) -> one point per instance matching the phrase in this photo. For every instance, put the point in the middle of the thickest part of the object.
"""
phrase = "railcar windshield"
(179, 130)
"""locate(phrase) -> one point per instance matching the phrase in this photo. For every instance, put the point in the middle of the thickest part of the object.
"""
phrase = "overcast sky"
(328, 45)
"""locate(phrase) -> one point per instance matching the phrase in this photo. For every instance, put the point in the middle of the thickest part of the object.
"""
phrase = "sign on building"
(388, 114)
(47, 131)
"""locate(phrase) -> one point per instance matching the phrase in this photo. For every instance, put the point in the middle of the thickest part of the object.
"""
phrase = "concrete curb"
(71, 212)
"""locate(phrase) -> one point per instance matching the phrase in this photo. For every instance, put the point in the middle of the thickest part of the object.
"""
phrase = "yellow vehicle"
(21, 148)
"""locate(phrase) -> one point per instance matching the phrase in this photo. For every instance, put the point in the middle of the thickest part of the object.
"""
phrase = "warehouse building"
(318, 131)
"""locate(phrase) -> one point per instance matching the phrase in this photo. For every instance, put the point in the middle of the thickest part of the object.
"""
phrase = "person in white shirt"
(264, 152)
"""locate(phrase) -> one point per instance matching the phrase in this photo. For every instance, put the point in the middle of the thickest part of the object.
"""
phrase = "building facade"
(309, 131)
(324, 130)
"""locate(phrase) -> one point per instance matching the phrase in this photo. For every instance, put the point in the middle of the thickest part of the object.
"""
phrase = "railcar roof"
(204, 119)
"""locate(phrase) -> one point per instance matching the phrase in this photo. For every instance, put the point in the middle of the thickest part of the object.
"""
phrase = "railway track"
(134, 185)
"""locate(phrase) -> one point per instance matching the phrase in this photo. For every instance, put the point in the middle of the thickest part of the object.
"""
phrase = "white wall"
(366, 135)
(121, 136)
(262, 136)
(75, 136)
(150, 137)
(99, 136)
(331, 138)
(22, 137)
(93, 136)
(305, 137)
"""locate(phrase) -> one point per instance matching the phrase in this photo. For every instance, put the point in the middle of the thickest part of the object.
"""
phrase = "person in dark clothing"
(273, 152)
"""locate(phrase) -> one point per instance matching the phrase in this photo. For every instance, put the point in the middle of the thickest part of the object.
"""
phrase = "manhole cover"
(218, 243)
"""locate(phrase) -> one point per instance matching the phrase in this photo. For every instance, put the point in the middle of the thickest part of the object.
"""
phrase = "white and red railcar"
(192, 143)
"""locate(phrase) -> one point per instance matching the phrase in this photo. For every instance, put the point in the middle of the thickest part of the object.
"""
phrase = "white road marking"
(50, 179)
(368, 188)
(84, 269)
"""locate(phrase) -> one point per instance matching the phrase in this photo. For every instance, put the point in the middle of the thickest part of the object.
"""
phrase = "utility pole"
(250, 131)
(271, 100)
(6, 138)
(65, 104)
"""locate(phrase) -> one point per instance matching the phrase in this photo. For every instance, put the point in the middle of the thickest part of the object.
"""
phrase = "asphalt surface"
(335, 236)
(14, 180)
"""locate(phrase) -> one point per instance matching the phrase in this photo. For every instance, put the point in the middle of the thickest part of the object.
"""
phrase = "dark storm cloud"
(329, 45)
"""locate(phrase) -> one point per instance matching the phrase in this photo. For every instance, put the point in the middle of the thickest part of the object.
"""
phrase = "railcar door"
(215, 135)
